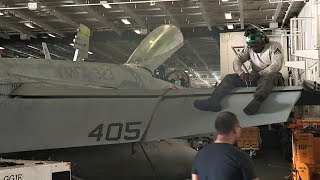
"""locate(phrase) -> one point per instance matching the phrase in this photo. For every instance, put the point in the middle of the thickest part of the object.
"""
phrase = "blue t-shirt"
(221, 161)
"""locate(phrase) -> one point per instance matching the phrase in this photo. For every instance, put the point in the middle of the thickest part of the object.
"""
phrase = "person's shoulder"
(205, 150)
(242, 155)
(275, 44)
(213, 147)
(208, 147)
(236, 150)
(228, 148)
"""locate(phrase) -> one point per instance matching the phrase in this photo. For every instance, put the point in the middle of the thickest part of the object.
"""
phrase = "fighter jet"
(114, 121)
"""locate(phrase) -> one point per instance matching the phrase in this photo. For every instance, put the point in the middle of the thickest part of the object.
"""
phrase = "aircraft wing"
(34, 118)
(178, 117)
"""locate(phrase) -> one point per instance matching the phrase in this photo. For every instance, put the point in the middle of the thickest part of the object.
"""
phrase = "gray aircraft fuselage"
(82, 74)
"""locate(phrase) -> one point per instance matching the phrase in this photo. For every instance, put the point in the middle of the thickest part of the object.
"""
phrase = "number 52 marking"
(131, 131)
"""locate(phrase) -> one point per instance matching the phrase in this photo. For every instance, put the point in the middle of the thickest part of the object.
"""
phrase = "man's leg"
(213, 103)
(264, 88)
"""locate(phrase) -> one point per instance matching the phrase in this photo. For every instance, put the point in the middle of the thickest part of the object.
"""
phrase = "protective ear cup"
(266, 38)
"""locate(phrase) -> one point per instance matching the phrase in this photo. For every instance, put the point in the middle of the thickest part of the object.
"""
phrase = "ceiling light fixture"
(51, 35)
(230, 26)
(228, 15)
(29, 25)
(1, 14)
(2, 48)
(105, 4)
(137, 31)
(125, 21)
(152, 3)
(224, 0)
(32, 47)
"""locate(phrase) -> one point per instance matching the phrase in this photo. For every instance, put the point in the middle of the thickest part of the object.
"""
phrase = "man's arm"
(276, 60)
(247, 167)
(240, 59)
(195, 177)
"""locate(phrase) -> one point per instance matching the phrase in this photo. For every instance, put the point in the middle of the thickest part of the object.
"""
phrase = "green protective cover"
(252, 39)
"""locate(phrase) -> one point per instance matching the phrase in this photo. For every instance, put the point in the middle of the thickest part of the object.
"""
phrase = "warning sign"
(237, 49)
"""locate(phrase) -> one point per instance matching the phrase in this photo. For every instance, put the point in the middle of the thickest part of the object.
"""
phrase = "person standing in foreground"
(266, 59)
(221, 160)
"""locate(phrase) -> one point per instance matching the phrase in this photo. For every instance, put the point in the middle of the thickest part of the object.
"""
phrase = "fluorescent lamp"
(105, 4)
(228, 15)
(29, 25)
(224, 0)
(51, 35)
(137, 31)
(32, 47)
(71, 44)
(90, 52)
(230, 26)
(2, 48)
(125, 21)
(1, 14)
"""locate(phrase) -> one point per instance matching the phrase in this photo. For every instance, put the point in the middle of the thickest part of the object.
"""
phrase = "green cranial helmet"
(253, 39)
(254, 34)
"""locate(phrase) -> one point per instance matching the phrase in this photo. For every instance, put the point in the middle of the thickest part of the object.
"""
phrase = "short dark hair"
(225, 122)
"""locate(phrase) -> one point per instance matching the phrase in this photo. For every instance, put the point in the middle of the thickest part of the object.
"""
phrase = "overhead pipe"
(287, 14)
(317, 19)
(288, 1)
(93, 4)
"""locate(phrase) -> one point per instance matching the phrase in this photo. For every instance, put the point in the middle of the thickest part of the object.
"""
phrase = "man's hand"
(245, 77)
(254, 76)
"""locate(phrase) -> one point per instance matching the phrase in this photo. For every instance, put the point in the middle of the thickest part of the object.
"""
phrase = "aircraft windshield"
(157, 47)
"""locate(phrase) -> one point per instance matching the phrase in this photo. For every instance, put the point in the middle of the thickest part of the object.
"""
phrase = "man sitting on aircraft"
(266, 61)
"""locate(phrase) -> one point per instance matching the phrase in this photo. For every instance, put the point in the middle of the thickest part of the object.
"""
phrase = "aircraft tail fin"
(46, 51)
(81, 43)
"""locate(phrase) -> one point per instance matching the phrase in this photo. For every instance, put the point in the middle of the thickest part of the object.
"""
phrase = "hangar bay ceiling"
(118, 26)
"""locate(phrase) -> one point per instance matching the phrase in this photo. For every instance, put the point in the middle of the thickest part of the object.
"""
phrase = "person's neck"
(224, 139)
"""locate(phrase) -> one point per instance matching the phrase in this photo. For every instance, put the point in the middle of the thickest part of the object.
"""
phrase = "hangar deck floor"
(270, 165)
(270, 162)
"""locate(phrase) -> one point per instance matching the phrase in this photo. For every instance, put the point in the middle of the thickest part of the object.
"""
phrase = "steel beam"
(276, 14)
(133, 15)
(164, 8)
(58, 14)
(205, 14)
(241, 14)
(97, 49)
(27, 17)
(103, 19)
(19, 29)
(30, 54)
(114, 48)
(288, 13)
(5, 36)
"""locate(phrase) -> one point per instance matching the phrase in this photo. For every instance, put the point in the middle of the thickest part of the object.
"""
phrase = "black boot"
(253, 107)
(207, 105)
